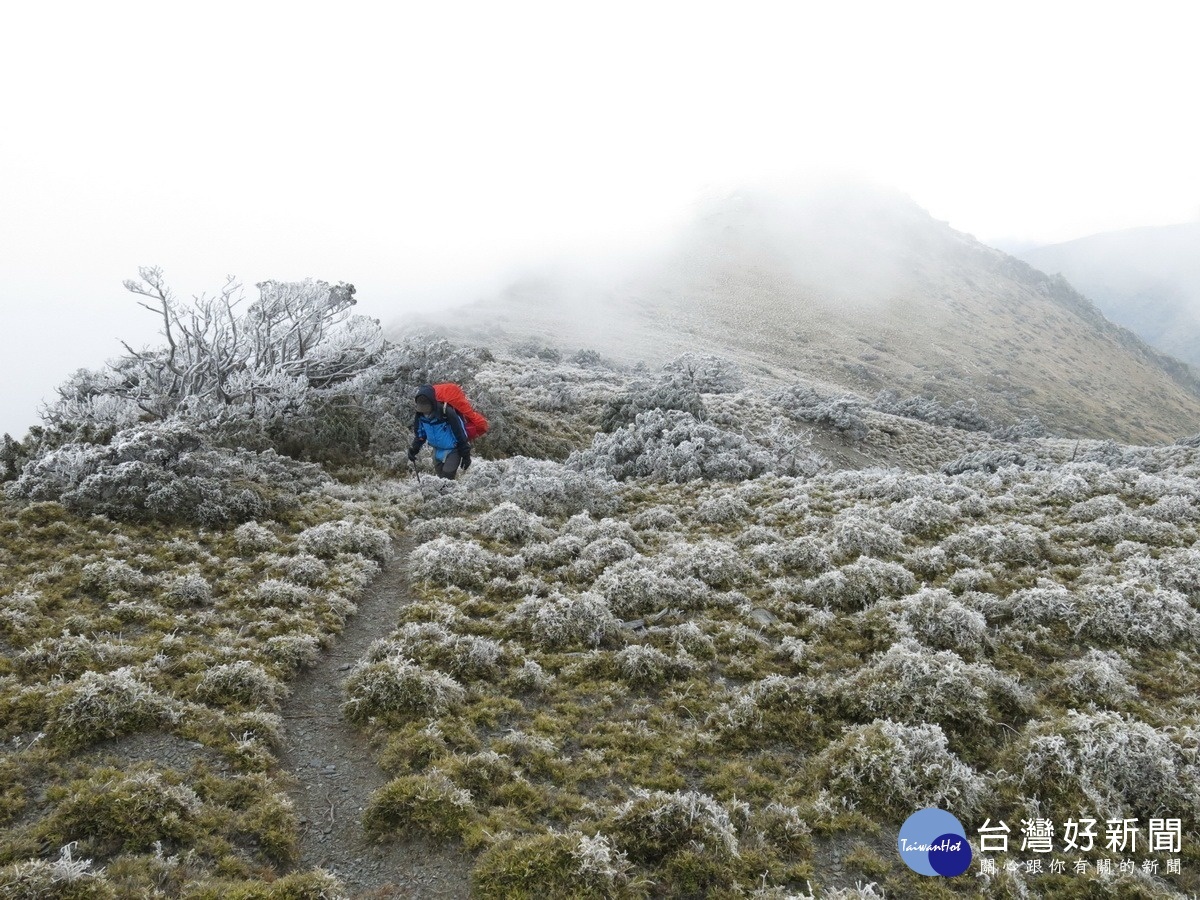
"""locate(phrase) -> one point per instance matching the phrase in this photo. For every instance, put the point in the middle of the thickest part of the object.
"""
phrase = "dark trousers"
(448, 467)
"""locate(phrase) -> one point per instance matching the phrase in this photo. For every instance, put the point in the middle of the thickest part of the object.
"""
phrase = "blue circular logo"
(933, 842)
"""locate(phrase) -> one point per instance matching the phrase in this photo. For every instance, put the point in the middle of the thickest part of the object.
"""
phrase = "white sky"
(420, 149)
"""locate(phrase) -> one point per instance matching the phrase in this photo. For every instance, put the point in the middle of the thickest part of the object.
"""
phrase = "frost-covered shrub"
(251, 537)
(240, 684)
(459, 562)
(429, 805)
(798, 556)
(922, 516)
(189, 590)
(101, 706)
(508, 522)
(331, 538)
(541, 487)
(395, 685)
(128, 812)
(775, 707)
(961, 415)
(530, 676)
(280, 593)
(857, 533)
(717, 564)
(557, 621)
(65, 878)
(640, 664)
(555, 865)
(167, 473)
(1180, 570)
(293, 651)
(1013, 544)
(69, 655)
(859, 584)
(656, 518)
(110, 576)
(559, 552)
(600, 554)
(305, 569)
(430, 643)
(940, 621)
(1132, 613)
(843, 414)
(19, 610)
(986, 461)
(1100, 677)
(672, 446)
(723, 508)
(639, 586)
(690, 639)
(662, 395)
(911, 683)
(1111, 764)
(899, 768)
(708, 374)
(1044, 604)
(656, 824)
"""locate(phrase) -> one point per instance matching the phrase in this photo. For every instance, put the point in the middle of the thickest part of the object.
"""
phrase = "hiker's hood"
(426, 390)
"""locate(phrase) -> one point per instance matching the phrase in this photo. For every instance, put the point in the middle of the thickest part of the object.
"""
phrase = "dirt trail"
(335, 772)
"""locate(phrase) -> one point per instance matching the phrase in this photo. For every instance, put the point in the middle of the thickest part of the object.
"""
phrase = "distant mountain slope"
(1147, 279)
(861, 288)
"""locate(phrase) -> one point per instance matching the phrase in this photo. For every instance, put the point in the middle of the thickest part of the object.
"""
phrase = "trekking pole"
(416, 471)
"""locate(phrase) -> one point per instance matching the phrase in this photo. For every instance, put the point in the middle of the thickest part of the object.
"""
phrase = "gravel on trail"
(335, 773)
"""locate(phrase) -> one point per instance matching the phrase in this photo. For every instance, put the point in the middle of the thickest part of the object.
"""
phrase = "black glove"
(412, 455)
(465, 460)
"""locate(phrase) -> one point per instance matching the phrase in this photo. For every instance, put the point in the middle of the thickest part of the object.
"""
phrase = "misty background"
(435, 156)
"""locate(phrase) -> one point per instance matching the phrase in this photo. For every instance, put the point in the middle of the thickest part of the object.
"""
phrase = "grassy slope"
(634, 688)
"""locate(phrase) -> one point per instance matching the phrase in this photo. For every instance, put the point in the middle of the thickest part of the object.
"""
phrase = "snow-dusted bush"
(1046, 604)
(430, 643)
(900, 768)
(279, 593)
(1101, 676)
(843, 414)
(101, 706)
(640, 664)
(912, 683)
(167, 473)
(859, 584)
(539, 486)
(20, 610)
(305, 569)
(690, 638)
(857, 532)
(940, 621)
(459, 562)
(251, 537)
(961, 415)
(240, 684)
(1013, 544)
(723, 508)
(986, 461)
(921, 515)
(600, 554)
(669, 393)
(530, 676)
(1112, 764)
(189, 590)
(708, 374)
(1132, 613)
(508, 522)
(655, 824)
(637, 586)
(777, 707)
(560, 865)
(293, 651)
(672, 446)
(331, 538)
(395, 685)
(65, 878)
(656, 518)
(557, 621)
(110, 576)
(718, 564)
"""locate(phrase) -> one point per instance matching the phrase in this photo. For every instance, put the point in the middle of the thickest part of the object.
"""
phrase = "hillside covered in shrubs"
(681, 631)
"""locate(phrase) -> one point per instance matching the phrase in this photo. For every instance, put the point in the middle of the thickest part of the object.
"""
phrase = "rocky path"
(335, 773)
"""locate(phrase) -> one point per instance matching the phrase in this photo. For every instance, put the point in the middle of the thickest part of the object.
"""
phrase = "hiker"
(440, 424)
